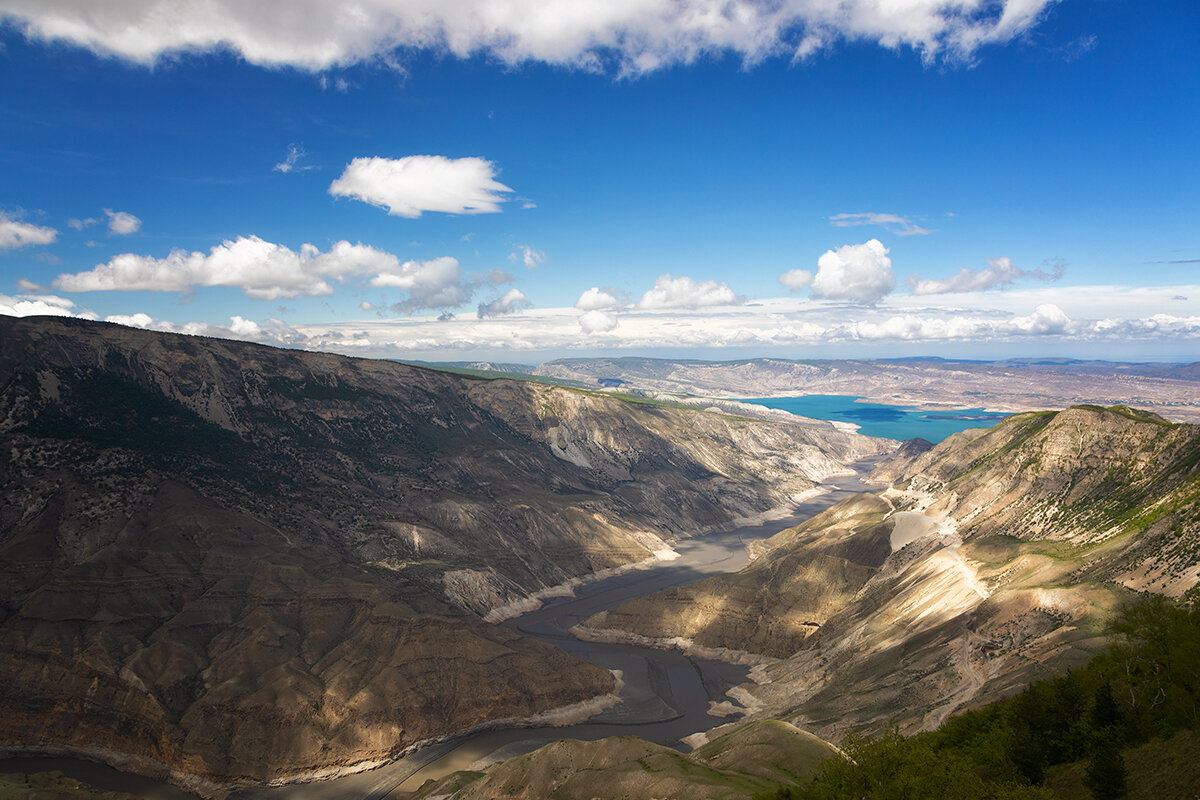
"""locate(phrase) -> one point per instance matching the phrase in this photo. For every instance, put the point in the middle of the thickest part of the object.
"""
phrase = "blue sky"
(901, 178)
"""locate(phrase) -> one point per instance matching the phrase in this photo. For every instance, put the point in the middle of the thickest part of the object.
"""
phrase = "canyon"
(225, 563)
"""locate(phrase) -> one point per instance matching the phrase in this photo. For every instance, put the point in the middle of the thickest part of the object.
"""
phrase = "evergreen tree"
(1106, 772)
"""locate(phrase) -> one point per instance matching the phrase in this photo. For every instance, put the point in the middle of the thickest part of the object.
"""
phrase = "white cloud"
(1081, 319)
(683, 292)
(27, 305)
(270, 331)
(796, 279)
(858, 272)
(121, 223)
(529, 256)
(633, 37)
(80, 224)
(291, 161)
(510, 301)
(1000, 272)
(264, 270)
(597, 322)
(893, 223)
(408, 186)
(597, 299)
(366, 305)
(14, 233)
(437, 283)
(1046, 318)
(242, 327)
(771, 326)
(138, 320)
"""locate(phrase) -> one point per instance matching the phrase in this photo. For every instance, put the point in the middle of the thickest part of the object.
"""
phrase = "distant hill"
(1013, 385)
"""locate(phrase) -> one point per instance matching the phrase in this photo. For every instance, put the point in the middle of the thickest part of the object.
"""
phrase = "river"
(666, 694)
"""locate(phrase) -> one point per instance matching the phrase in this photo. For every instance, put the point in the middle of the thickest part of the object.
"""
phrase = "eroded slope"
(245, 562)
(993, 561)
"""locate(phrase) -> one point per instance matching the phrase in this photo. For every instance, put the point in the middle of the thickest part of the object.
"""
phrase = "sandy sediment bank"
(534, 601)
(687, 646)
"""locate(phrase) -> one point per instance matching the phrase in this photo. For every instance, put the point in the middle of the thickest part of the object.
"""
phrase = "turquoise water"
(890, 422)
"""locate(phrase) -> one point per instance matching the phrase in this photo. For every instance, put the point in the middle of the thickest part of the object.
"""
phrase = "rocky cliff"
(994, 559)
(238, 562)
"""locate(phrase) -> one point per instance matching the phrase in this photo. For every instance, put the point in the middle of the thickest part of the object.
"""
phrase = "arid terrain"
(990, 560)
(233, 562)
(1172, 390)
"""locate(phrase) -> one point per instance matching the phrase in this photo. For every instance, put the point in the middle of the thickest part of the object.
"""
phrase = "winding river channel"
(666, 694)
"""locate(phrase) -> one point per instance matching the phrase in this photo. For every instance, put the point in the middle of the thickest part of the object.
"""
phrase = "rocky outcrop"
(773, 605)
(994, 560)
(234, 562)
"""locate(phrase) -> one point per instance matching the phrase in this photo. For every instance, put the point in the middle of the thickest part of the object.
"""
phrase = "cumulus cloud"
(291, 161)
(408, 186)
(682, 292)
(264, 270)
(597, 322)
(861, 273)
(507, 303)
(28, 305)
(14, 233)
(121, 223)
(138, 320)
(597, 299)
(796, 279)
(437, 283)
(529, 256)
(631, 37)
(893, 223)
(999, 273)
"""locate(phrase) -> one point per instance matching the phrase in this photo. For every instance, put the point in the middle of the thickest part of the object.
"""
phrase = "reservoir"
(888, 422)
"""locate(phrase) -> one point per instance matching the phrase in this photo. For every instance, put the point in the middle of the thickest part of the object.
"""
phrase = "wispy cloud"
(291, 161)
(998, 274)
(531, 257)
(892, 223)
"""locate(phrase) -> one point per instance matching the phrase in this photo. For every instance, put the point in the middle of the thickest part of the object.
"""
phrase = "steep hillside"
(994, 560)
(234, 561)
(752, 758)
